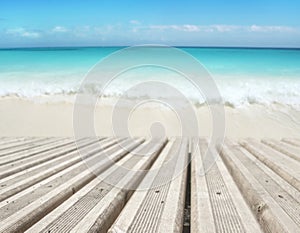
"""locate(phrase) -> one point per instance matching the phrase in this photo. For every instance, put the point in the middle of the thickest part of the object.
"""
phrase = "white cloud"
(59, 29)
(221, 28)
(190, 28)
(23, 33)
(31, 34)
(135, 22)
(196, 28)
(225, 28)
(166, 27)
(256, 28)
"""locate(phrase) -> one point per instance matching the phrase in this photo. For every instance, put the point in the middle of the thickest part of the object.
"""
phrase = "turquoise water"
(249, 62)
(219, 61)
(243, 75)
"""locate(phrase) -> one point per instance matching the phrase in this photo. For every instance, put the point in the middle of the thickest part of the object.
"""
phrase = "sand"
(41, 117)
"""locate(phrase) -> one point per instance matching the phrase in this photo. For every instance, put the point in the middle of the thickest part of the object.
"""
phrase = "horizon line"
(124, 46)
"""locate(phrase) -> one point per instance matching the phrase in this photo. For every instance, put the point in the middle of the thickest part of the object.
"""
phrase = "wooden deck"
(248, 185)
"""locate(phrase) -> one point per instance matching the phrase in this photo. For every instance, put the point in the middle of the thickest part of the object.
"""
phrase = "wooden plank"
(289, 150)
(52, 144)
(35, 142)
(47, 197)
(5, 140)
(292, 141)
(38, 159)
(33, 176)
(269, 214)
(245, 186)
(284, 166)
(99, 203)
(158, 204)
(282, 192)
(227, 211)
(202, 219)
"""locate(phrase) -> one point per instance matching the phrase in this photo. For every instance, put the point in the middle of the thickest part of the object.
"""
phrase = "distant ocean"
(244, 76)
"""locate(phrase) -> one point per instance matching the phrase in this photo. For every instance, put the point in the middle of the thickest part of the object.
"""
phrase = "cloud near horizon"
(22, 32)
(135, 31)
(224, 28)
(59, 29)
(136, 22)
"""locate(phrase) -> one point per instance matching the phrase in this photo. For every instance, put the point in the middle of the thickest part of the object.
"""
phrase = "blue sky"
(130, 22)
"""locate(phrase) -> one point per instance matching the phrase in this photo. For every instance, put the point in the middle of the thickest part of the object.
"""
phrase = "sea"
(243, 76)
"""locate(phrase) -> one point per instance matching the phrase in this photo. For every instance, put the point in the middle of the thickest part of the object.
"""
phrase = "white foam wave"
(236, 92)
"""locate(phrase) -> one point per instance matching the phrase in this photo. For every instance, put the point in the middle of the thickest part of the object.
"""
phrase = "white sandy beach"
(21, 117)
